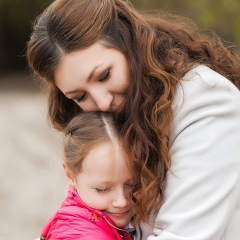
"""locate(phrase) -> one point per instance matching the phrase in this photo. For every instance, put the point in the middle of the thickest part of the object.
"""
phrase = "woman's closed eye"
(105, 76)
(82, 98)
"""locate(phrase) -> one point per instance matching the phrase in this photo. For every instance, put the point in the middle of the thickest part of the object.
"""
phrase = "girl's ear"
(69, 176)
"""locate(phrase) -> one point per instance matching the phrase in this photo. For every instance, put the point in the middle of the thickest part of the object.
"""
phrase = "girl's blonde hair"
(84, 132)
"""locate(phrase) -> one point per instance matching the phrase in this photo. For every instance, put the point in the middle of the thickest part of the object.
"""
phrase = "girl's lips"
(119, 215)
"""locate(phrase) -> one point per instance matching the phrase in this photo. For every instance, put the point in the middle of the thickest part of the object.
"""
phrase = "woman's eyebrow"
(92, 72)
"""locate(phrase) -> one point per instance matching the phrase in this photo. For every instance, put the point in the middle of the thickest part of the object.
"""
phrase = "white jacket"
(202, 198)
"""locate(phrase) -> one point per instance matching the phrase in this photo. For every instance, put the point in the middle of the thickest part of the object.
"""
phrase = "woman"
(174, 92)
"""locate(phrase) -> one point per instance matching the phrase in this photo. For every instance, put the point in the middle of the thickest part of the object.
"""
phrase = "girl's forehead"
(106, 159)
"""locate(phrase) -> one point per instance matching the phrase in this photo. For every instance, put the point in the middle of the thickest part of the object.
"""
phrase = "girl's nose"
(120, 200)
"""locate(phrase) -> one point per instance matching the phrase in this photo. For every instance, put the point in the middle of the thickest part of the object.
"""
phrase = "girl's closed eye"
(105, 76)
(101, 190)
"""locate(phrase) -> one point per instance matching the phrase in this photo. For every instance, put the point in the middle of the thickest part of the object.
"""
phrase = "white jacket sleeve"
(202, 196)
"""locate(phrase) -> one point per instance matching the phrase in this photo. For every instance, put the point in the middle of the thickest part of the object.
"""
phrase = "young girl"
(174, 92)
(98, 205)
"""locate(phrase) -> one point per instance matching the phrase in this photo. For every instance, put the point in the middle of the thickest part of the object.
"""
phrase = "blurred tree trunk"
(16, 17)
(222, 16)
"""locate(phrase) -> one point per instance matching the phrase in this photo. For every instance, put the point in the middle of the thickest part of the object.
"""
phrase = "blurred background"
(32, 184)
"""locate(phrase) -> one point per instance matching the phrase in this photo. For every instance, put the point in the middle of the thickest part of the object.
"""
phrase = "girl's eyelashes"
(105, 76)
(82, 98)
(102, 189)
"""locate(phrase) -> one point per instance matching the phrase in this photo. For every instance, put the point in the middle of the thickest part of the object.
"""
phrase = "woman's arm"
(202, 196)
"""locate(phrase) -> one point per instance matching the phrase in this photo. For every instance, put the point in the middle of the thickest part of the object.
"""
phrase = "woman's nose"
(103, 100)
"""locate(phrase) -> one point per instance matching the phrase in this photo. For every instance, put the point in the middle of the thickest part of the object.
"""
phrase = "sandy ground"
(32, 182)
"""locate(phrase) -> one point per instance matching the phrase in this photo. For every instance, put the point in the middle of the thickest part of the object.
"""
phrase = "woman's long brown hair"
(160, 49)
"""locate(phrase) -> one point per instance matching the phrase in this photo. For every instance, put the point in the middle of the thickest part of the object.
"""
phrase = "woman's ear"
(69, 176)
